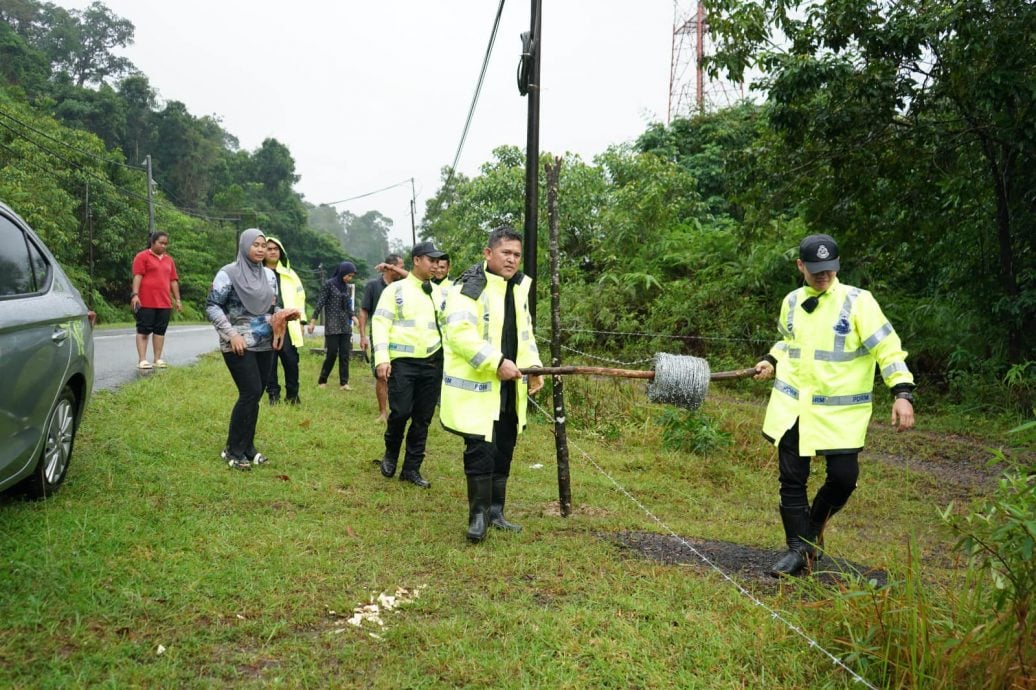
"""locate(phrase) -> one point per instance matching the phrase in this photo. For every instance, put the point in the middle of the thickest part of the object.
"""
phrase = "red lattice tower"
(690, 88)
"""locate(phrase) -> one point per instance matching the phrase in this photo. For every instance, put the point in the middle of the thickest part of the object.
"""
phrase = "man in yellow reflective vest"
(488, 338)
(408, 355)
(832, 337)
(290, 294)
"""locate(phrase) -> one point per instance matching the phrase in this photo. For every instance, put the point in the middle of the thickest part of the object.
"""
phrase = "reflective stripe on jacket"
(472, 333)
(825, 368)
(294, 295)
(405, 322)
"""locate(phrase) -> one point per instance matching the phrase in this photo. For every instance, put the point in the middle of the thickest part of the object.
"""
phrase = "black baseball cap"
(819, 253)
(426, 249)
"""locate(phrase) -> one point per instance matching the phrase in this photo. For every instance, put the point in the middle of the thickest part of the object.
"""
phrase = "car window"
(40, 266)
(16, 271)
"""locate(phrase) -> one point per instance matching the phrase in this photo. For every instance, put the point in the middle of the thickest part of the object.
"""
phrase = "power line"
(366, 194)
(474, 99)
(186, 211)
(126, 192)
(95, 156)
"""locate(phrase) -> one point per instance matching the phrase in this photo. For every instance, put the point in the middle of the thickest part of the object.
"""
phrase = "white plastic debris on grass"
(372, 612)
(537, 466)
(161, 650)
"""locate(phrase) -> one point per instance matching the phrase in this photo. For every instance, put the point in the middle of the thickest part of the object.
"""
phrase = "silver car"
(46, 361)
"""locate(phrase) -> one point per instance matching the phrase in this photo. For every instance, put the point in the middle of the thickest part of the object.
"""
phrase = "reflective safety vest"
(441, 290)
(404, 322)
(293, 294)
(474, 326)
(825, 368)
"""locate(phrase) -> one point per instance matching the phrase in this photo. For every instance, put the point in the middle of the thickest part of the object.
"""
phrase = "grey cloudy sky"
(367, 94)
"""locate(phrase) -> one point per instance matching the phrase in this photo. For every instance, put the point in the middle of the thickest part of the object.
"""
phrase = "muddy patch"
(743, 563)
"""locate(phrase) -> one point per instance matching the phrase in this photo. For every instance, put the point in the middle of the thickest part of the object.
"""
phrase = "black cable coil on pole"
(525, 63)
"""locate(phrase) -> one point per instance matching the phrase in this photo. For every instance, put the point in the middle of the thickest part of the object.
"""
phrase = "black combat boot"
(415, 478)
(387, 466)
(819, 514)
(798, 559)
(275, 398)
(480, 495)
(496, 506)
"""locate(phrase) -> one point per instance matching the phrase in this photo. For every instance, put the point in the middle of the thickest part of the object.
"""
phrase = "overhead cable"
(474, 99)
(366, 194)
(126, 192)
(95, 156)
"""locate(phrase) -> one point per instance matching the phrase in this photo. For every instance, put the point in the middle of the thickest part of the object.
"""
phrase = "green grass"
(247, 579)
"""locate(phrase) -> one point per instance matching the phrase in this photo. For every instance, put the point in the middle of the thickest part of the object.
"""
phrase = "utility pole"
(90, 240)
(150, 197)
(413, 213)
(529, 84)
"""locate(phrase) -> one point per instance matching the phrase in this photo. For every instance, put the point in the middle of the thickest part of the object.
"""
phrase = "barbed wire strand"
(671, 336)
(774, 614)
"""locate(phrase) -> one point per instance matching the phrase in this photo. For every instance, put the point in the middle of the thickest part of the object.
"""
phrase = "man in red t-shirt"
(154, 277)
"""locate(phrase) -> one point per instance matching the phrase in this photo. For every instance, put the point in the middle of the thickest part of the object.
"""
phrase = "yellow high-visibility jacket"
(825, 368)
(441, 290)
(474, 326)
(293, 294)
(404, 322)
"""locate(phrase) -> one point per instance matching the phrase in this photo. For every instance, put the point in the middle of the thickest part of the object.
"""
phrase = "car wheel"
(58, 439)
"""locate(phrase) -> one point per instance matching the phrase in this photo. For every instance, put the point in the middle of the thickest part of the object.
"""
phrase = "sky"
(371, 93)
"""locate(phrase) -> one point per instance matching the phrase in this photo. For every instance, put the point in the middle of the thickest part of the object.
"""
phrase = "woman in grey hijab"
(242, 308)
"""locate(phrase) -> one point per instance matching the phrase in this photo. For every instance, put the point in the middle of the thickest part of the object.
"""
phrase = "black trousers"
(338, 346)
(250, 372)
(413, 391)
(843, 469)
(493, 457)
(289, 357)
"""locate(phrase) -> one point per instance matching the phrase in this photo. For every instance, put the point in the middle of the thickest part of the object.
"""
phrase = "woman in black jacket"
(336, 303)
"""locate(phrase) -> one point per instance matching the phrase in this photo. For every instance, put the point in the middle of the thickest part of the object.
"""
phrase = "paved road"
(115, 354)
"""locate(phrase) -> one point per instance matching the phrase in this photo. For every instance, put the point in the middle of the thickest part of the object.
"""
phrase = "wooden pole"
(627, 373)
(560, 430)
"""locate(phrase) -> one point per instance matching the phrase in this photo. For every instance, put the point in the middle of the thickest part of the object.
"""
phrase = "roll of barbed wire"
(674, 379)
(679, 380)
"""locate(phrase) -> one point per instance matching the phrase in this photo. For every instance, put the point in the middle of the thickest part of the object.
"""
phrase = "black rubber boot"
(387, 466)
(275, 398)
(819, 514)
(496, 506)
(797, 560)
(480, 495)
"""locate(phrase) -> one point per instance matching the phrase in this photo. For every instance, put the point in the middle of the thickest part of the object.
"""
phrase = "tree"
(912, 120)
(366, 236)
(85, 44)
(20, 64)
(140, 102)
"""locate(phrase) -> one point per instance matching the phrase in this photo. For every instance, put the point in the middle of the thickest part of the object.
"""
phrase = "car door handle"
(60, 335)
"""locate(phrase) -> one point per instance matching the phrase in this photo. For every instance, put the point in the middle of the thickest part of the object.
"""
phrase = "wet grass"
(157, 566)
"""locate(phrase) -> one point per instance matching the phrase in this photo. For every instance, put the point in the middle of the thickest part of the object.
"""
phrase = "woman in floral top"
(336, 302)
(240, 305)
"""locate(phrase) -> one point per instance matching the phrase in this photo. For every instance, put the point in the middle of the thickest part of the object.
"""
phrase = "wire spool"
(679, 380)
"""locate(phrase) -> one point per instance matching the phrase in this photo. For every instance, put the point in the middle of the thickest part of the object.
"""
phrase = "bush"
(692, 432)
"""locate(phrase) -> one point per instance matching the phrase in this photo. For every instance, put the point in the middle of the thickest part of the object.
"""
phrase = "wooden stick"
(628, 373)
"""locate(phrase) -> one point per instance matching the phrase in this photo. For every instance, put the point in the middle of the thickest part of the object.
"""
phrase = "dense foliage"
(691, 234)
(76, 123)
(908, 135)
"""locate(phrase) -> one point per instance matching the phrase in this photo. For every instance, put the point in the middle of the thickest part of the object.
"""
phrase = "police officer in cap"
(407, 349)
(832, 335)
